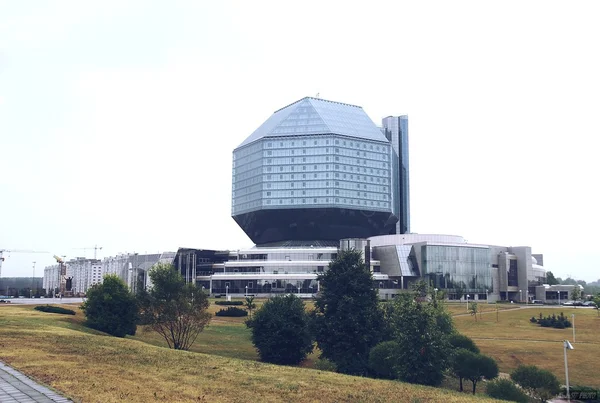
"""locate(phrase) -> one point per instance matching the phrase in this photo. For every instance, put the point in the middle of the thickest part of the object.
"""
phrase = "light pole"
(487, 298)
(558, 292)
(573, 321)
(226, 293)
(467, 302)
(521, 295)
(32, 281)
(567, 346)
(246, 291)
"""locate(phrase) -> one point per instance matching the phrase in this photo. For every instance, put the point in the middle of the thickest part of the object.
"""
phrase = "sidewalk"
(17, 388)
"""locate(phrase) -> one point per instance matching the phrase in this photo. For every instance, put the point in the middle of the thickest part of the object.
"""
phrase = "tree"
(174, 309)
(550, 279)
(383, 358)
(473, 309)
(347, 321)
(280, 330)
(422, 332)
(250, 305)
(111, 308)
(458, 340)
(505, 389)
(540, 383)
(473, 366)
(597, 302)
(576, 293)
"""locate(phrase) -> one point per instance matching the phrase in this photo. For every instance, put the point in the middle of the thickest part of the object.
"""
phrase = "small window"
(315, 201)
(269, 152)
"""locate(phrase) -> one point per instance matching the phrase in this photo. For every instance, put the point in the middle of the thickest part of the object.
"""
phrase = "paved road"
(44, 301)
(17, 388)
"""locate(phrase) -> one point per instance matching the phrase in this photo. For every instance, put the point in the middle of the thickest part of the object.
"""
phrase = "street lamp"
(467, 302)
(567, 346)
(487, 298)
(521, 295)
(32, 281)
(246, 291)
(558, 292)
(226, 292)
(573, 322)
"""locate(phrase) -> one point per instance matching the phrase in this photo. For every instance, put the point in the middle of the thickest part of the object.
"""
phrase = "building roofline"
(318, 99)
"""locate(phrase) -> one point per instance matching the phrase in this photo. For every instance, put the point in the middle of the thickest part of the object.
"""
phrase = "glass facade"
(396, 131)
(320, 159)
(457, 267)
(312, 171)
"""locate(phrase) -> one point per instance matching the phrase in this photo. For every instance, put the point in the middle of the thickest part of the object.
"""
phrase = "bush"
(323, 364)
(111, 308)
(233, 312)
(54, 309)
(458, 340)
(541, 383)
(505, 389)
(236, 303)
(382, 359)
(557, 322)
(280, 330)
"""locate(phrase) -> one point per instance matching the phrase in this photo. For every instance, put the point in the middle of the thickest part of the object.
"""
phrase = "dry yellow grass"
(513, 340)
(91, 367)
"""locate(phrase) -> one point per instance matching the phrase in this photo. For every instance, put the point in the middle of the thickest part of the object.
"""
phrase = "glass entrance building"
(315, 170)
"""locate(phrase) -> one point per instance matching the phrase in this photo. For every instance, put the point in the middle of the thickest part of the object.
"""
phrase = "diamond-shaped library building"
(315, 170)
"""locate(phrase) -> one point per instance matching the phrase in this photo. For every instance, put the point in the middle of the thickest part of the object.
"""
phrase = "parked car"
(589, 303)
(537, 301)
(569, 303)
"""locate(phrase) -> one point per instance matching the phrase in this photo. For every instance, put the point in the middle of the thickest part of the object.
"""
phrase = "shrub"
(280, 330)
(541, 384)
(382, 359)
(232, 311)
(458, 340)
(111, 308)
(557, 322)
(54, 309)
(236, 303)
(505, 389)
(323, 364)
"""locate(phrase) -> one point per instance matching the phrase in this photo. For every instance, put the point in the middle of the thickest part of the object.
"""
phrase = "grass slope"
(513, 340)
(92, 367)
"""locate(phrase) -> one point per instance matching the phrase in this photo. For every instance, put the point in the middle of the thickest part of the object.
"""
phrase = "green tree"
(540, 383)
(250, 305)
(111, 308)
(458, 340)
(597, 302)
(422, 332)
(505, 389)
(347, 321)
(383, 358)
(473, 309)
(576, 293)
(550, 279)
(280, 330)
(478, 367)
(174, 309)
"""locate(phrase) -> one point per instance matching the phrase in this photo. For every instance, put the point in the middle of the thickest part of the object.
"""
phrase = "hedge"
(54, 309)
(229, 303)
(232, 311)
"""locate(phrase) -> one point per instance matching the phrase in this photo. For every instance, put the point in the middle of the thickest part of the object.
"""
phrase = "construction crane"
(2, 251)
(95, 248)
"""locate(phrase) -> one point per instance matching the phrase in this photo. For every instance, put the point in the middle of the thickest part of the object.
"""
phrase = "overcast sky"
(118, 118)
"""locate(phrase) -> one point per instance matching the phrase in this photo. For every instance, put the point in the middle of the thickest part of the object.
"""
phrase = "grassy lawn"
(91, 367)
(513, 340)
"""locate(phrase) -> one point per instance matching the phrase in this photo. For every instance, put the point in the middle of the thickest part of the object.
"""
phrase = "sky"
(118, 118)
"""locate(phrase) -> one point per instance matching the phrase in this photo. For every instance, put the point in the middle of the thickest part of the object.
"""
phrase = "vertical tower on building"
(395, 129)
